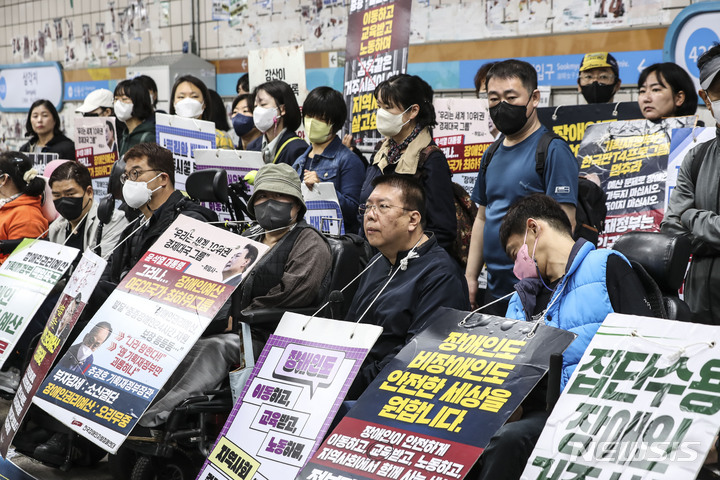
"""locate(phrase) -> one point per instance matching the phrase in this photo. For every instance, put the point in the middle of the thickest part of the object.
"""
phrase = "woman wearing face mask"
(327, 159)
(133, 108)
(666, 90)
(243, 124)
(79, 224)
(277, 116)
(405, 117)
(20, 203)
(191, 99)
(43, 128)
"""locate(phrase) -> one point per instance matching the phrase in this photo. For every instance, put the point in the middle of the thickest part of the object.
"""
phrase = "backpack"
(465, 211)
(590, 210)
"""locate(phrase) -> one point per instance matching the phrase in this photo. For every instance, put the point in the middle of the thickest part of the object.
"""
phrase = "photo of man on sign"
(79, 357)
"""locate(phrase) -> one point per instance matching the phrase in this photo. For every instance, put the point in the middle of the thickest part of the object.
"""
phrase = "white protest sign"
(291, 398)
(644, 402)
(26, 278)
(96, 147)
(183, 136)
(323, 208)
(463, 134)
(40, 160)
(279, 63)
(68, 308)
(142, 332)
(237, 164)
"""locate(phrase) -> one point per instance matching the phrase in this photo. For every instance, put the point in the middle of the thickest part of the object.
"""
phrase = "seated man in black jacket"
(410, 278)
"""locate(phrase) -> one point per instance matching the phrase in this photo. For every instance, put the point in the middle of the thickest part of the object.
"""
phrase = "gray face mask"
(273, 214)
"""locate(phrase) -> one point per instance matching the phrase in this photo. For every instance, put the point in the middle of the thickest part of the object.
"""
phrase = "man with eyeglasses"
(599, 77)
(79, 357)
(409, 279)
(149, 186)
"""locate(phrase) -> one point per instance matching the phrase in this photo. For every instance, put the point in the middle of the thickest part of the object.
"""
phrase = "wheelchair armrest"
(7, 246)
(267, 316)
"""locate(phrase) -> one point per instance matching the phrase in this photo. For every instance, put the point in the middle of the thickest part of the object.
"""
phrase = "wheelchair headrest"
(665, 257)
(208, 185)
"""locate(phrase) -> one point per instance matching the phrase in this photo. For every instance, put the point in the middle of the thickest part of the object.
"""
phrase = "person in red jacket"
(21, 188)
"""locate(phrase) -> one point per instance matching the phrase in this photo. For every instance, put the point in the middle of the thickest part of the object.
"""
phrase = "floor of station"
(19, 467)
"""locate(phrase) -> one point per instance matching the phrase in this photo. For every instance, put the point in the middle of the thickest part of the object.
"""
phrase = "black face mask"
(273, 214)
(597, 93)
(69, 207)
(508, 118)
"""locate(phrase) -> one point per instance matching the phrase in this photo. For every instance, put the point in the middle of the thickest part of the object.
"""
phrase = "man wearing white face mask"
(149, 186)
(565, 284)
(79, 357)
(694, 205)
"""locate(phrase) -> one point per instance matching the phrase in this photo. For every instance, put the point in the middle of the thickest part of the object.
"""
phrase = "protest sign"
(26, 278)
(435, 406)
(61, 321)
(571, 121)
(237, 163)
(96, 147)
(683, 140)
(285, 63)
(11, 471)
(642, 403)
(630, 158)
(323, 208)
(40, 160)
(183, 136)
(376, 49)
(290, 398)
(463, 134)
(104, 383)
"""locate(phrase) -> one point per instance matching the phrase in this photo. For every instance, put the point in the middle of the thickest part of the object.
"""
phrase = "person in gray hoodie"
(694, 206)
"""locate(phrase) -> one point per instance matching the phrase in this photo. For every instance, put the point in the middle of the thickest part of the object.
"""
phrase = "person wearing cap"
(296, 269)
(98, 103)
(694, 205)
(599, 77)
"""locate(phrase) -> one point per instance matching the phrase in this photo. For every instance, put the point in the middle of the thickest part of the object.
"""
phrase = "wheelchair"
(177, 449)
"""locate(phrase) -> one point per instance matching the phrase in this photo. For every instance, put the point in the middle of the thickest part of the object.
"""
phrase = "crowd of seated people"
(402, 205)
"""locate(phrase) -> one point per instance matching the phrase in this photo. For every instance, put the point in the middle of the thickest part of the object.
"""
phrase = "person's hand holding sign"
(310, 178)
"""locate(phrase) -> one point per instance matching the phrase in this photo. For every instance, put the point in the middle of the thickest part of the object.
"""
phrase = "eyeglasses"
(603, 78)
(381, 209)
(134, 175)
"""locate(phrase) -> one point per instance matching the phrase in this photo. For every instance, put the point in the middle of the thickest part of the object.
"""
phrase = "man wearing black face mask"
(294, 272)
(598, 79)
(73, 197)
(513, 98)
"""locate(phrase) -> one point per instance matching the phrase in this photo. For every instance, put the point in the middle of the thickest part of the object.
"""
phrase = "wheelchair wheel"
(121, 464)
(178, 467)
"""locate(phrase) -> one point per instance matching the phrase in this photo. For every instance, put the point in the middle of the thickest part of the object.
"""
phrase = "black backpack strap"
(487, 156)
(541, 152)
(698, 160)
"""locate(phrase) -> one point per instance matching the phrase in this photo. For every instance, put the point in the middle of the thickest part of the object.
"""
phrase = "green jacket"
(145, 132)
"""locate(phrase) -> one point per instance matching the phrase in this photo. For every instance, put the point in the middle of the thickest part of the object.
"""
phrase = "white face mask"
(137, 194)
(265, 118)
(189, 108)
(83, 352)
(123, 111)
(716, 110)
(390, 124)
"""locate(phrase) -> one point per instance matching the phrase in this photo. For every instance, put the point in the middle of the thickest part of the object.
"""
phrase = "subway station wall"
(111, 33)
